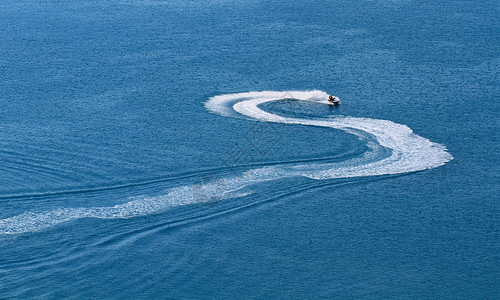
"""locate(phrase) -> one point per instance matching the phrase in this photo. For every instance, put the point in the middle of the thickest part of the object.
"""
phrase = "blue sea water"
(120, 177)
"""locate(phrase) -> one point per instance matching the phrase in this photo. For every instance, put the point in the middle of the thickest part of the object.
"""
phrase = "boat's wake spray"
(393, 149)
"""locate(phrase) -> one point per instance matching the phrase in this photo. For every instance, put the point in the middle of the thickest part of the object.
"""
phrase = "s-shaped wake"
(406, 152)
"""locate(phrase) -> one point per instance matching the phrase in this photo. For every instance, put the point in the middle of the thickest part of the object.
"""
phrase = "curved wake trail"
(409, 152)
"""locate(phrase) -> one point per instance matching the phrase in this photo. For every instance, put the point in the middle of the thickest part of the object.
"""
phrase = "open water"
(185, 149)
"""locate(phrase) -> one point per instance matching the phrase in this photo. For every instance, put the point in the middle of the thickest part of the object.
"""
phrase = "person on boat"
(333, 100)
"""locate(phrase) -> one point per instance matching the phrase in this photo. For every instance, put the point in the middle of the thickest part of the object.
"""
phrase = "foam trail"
(408, 153)
(198, 193)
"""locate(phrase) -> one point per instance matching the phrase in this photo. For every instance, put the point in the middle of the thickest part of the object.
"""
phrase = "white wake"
(409, 152)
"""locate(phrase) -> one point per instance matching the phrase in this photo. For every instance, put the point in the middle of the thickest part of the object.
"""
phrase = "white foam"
(408, 153)
(197, 193)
